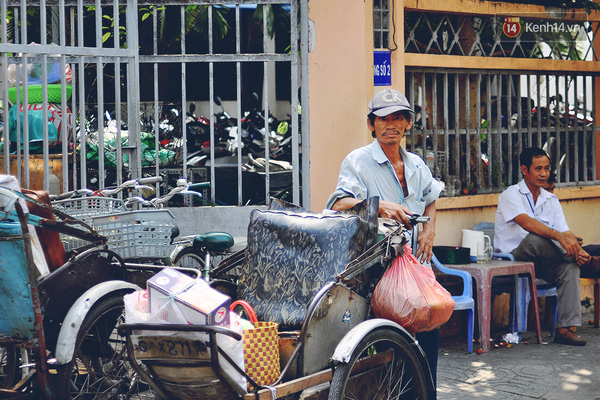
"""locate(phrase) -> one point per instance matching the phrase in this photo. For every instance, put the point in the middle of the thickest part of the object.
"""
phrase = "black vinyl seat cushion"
(292, 254)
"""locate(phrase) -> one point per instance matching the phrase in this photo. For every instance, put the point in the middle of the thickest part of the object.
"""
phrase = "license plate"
(169, 347)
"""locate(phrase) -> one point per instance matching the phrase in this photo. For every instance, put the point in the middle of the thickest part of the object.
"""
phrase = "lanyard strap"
(532, 209)
(530, 205)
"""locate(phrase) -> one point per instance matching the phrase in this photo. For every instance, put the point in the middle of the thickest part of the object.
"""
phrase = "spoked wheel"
(10, 361)
(383, 366)
(100, 369)
(189, 259)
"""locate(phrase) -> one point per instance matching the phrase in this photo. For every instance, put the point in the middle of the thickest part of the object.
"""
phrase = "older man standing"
(401, 180)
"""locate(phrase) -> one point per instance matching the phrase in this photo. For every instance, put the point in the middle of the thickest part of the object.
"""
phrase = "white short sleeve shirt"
(518, 199)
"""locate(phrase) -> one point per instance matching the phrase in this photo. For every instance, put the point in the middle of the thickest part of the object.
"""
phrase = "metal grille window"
(471, 126)
(483, 36)
(381, 24)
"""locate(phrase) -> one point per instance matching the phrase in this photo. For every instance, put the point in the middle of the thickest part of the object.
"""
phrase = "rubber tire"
(342, 387)
(99, 349)
(190, 259)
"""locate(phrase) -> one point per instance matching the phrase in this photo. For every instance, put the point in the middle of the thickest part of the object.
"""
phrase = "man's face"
(390, 129)
(538, 172)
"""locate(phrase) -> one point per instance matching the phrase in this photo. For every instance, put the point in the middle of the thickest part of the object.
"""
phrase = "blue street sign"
(382, 68)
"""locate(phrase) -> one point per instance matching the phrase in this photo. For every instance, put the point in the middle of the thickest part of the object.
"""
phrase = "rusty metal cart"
(60, 328)
(337, 340)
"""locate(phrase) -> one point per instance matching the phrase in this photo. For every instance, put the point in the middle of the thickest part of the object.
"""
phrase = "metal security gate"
(132, 63)
(48, 48)
(217, 65)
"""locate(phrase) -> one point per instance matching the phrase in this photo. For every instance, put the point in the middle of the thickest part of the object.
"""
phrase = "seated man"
(530, 224)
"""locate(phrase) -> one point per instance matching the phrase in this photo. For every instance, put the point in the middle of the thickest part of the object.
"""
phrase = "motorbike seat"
(213, 241)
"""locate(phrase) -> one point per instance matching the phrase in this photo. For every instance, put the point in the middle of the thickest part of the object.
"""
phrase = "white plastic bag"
(136, 311)
(136, 307)
(34, 73)
(234, 349)
(39, 259)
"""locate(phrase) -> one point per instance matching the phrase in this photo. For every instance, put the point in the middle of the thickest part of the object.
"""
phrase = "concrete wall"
(339, 65)
(195, 220)
(454, 215)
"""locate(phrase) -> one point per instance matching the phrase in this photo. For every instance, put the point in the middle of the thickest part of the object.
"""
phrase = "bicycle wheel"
(100, 368)
(188, 258)
(9, 366)
(383, 366)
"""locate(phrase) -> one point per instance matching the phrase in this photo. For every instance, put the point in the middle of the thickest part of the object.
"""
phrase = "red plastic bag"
(409, 294)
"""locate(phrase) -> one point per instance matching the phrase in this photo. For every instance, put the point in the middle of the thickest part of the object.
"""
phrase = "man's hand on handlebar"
(391, 210)
(401, 213)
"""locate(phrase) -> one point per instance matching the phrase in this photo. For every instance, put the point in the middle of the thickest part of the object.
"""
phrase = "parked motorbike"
(576, 115)
(198, 137)
(197, 130)
(223, 120)
(253, 135)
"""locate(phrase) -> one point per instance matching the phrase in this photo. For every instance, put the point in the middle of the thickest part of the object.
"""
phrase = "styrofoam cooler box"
(178, 298)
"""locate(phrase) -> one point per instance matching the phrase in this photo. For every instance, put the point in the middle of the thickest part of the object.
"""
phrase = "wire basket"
(137, 234)
(85, 208)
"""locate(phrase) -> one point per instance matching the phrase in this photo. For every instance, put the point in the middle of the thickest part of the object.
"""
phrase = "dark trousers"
(430, 343)
(552, 266)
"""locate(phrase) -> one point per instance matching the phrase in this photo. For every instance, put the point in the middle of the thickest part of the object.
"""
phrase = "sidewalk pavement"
(546, 371)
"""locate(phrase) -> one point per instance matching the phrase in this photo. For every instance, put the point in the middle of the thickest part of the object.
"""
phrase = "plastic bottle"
(53, 182)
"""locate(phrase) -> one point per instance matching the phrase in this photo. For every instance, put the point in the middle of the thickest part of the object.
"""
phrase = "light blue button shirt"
(367, 172)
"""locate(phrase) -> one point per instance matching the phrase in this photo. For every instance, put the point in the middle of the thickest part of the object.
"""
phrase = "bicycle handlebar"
(182, 188)
(150, 180)
(138, 199)
(416, 219)
(132, 183)
(72, 193)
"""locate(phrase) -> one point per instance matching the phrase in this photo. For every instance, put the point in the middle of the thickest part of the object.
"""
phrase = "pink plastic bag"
(409, 294)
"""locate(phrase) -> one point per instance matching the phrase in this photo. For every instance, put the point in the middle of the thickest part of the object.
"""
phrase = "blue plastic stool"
(521, 298)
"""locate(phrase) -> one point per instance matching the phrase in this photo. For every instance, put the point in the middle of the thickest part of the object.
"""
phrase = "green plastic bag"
(148, 153)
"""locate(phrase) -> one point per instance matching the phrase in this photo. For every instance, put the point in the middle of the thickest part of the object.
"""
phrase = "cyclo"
(58, 336)
(313, 274)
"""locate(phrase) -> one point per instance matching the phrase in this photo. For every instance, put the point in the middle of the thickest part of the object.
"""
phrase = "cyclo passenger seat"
(213, 241)
(293, 252)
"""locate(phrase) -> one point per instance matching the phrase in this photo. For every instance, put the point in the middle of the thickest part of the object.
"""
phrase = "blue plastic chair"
(463, 302)
(520, 300)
